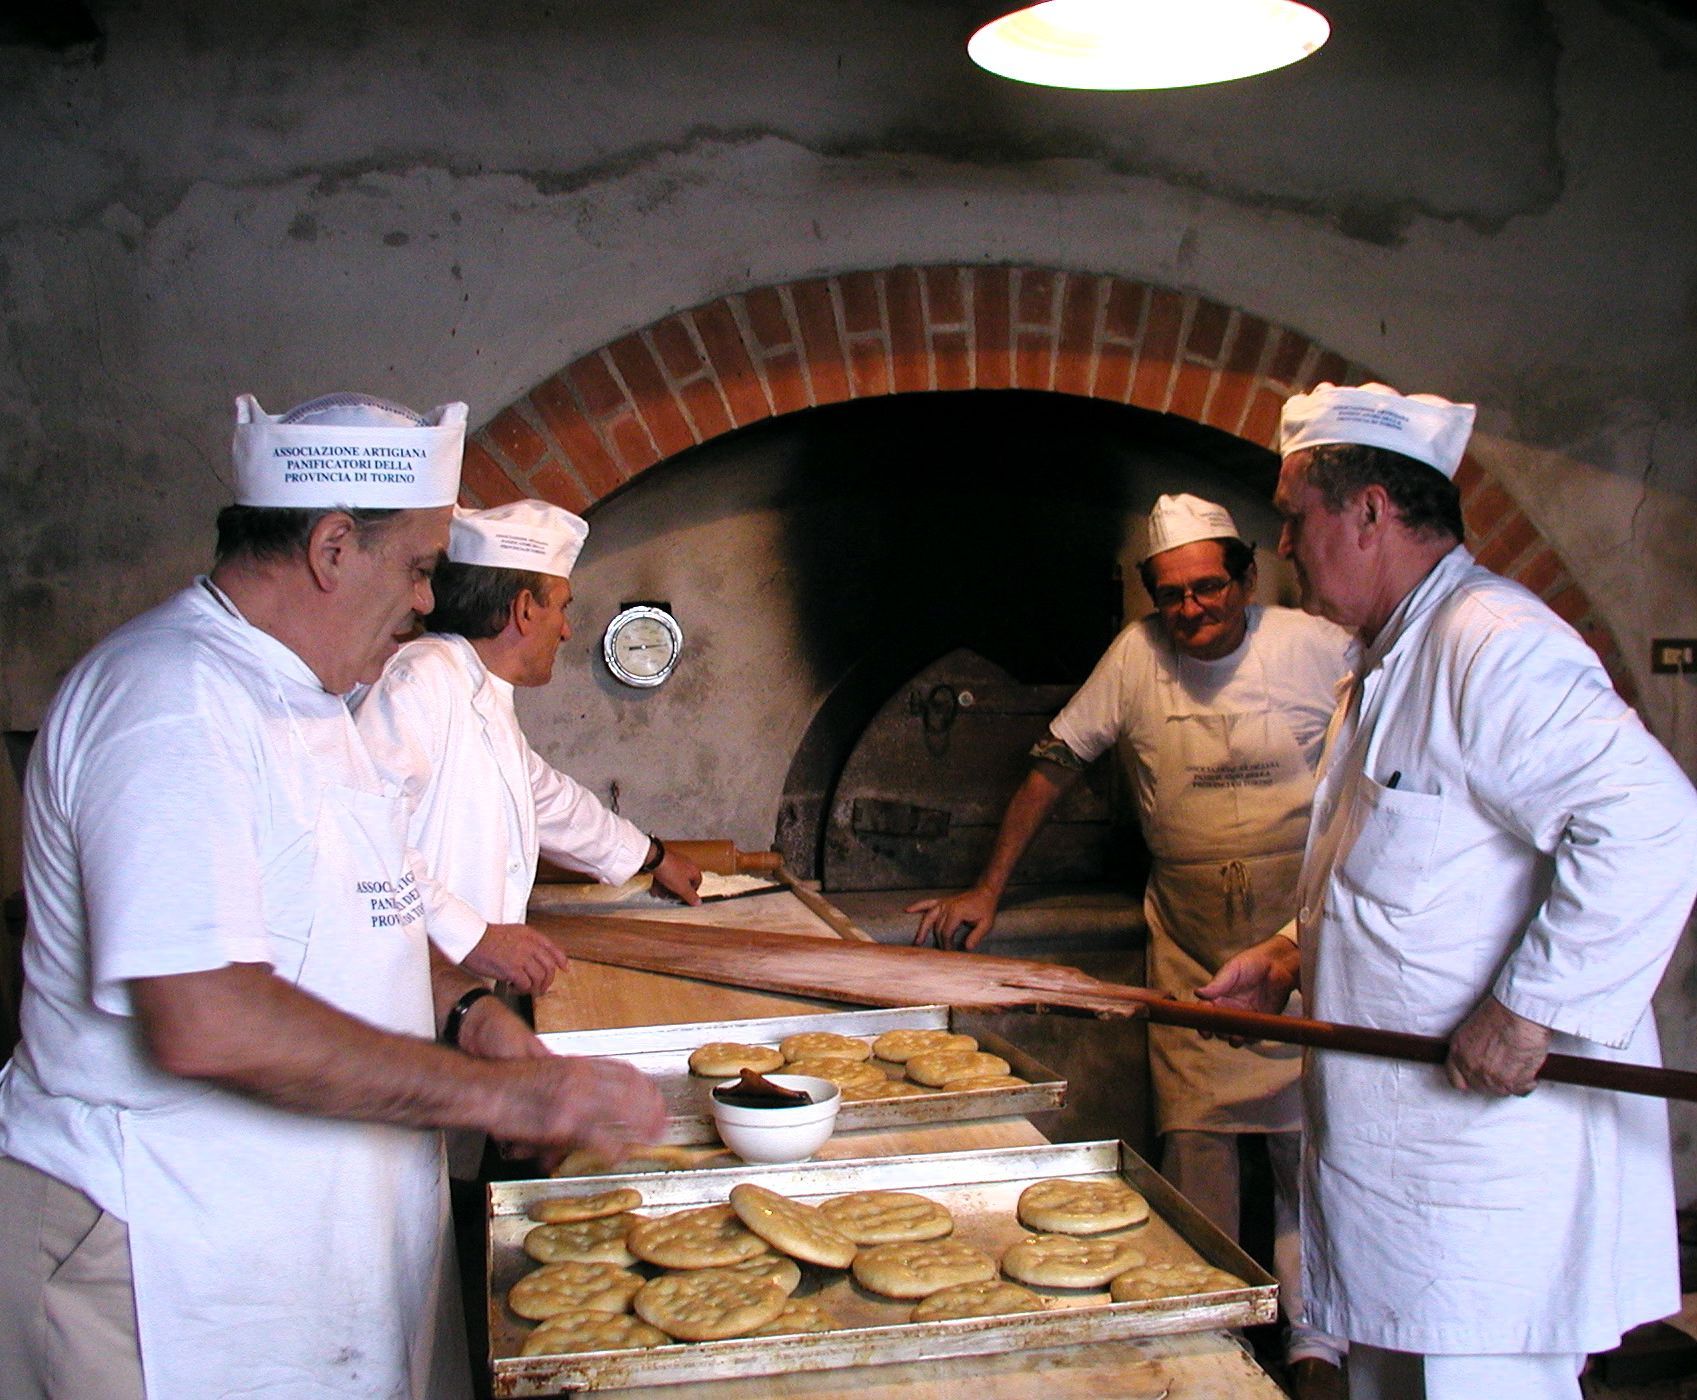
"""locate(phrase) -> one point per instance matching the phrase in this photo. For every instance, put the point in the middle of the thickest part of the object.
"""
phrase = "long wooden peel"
(875, 974)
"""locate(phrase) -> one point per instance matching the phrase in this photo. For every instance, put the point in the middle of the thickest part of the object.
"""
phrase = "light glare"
(1116, 44)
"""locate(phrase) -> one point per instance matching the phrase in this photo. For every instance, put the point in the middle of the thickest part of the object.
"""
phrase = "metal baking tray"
(662, 1053)
(980, 1188)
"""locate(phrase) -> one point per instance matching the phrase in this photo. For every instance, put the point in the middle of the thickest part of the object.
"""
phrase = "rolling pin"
(717, 857)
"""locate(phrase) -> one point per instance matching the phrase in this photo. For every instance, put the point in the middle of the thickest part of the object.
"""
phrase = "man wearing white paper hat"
(222, 1169)
(441, 725)
(1500, 854)
(1218, 707)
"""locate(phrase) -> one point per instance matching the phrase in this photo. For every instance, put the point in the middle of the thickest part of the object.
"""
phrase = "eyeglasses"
(1205, 591)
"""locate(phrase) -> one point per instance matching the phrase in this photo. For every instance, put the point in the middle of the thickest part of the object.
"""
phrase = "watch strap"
(457, 1014)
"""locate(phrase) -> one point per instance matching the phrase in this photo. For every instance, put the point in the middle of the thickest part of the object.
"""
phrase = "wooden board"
(870, 974)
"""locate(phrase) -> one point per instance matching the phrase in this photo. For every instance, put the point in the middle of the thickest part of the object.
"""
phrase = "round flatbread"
(823, 1045)
(657, 1157)
(992, 1299)
(799, 1315)
(573, 1284)
(561, 1210)
(938, 1067)
(1063, 1207)
(1065, 1261)
(695, 1239)
(914, 1269)
(599, 1240)
(777, 1268)
(869, 1092)
(705, 1305)
(1148, 1281)
(984, 1081)
(842, 1073)
(725, 1059)
(800, 1231)
(901, 1045)
(885, 1217)
(584, 1329)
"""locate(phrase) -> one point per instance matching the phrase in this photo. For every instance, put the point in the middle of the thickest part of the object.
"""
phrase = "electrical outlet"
(1673, 656)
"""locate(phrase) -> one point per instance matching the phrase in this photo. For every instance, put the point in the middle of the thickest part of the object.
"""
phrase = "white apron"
(290, 1256)
(1226, 828)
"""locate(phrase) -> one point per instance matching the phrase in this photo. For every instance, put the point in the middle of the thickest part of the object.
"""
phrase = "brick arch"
(607, 417)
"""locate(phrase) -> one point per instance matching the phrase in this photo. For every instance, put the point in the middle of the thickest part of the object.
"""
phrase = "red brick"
(767, 320)
(785, 384)
(1074, 372)
(1207, 338)
(1159, 348)
(700, 398)
(1261, 423)
(520, 443)
(676, 348)
(992, 334)
(652, 395)
(1231, 389)
(1122, 318)
(1078, 313)
(596, 388)
(633, 449)
(1034, 360)
(1190, 394)
(482, 475)
(951, 361)
(1332, 369)
(1036, 297)
(1286, 362)
(909, 355)
(1541, 571)
(1513, 539)
(945, 298)
(717, 327)
(1488, 506)
(869, 367)
(574, 435)
(817, 318)
(860, 302)
(1570, 604)
(560, 487)
(1468, 478)
(1114, 365)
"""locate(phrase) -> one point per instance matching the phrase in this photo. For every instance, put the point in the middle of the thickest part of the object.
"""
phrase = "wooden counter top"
(1197, 1366)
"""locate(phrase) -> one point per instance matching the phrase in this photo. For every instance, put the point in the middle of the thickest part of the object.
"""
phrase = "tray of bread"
(672, 1277)
(898, 1066)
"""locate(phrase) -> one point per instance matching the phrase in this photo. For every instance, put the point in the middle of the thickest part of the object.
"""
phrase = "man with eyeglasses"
(1218, 707)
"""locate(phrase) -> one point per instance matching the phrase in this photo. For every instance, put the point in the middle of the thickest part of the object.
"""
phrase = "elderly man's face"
(1201, 605)
(542, 646)
(1318, 540)
(389, 588)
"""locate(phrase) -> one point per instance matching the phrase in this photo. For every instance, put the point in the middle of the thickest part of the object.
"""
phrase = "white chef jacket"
(1221, 756)
(173, 807)
(1490, 817)
(484, 804)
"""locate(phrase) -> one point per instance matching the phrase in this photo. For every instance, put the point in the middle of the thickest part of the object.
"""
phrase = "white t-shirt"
(169, 828)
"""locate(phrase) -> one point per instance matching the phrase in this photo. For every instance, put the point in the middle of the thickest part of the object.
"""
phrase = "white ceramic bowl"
(789, 1134)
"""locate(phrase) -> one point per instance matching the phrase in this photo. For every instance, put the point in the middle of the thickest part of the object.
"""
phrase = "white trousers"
(1376, 1374)
(67, 1299)
(1204, 1167)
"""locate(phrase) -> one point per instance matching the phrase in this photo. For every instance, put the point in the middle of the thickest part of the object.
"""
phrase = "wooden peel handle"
(1402, 1045)
(718, 857)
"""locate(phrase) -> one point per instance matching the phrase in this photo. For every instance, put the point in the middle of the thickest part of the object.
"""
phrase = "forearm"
(245, 1029)
(1044, 786)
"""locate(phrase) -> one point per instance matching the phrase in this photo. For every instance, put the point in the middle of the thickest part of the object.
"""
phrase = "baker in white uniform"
(440, 725)
(1501, 854)
(1218, 707)
(221, 1170)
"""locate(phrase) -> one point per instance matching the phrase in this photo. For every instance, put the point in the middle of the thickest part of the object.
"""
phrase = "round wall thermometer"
(642, 644)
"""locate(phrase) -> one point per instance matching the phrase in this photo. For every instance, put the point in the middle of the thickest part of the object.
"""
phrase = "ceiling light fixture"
(1118, 44)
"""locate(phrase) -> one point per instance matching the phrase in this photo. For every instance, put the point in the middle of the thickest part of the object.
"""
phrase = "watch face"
(641, 645)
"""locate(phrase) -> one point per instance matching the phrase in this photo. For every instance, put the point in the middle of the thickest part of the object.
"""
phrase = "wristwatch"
(656, 854)
(457, 1014)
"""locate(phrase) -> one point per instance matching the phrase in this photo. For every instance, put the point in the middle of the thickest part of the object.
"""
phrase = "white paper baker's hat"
(530, 535)
(1422, 426)
(349, 450)
(1184, 519)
